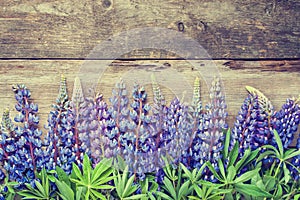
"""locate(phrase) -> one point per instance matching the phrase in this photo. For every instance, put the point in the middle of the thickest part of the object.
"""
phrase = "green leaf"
(117, 182)
(79, 192)
(87, 195)
(265, 154)
(231, 173)
(163, 195)
(26, 194)
(226, 143)
(251, 155)
(279, 192)
(276, 152)
(62, 175)
(167, 168)
(212, 169)
(77, 171)
(145, 185)
(102, 167)
(128, 186)
(251, 190)
(64, 190)
(220, 193)
(294, 154)
(124, 179)
(233, 154)
(229, 196)
(221, 167)
(286, 172)
(40, 188)
(169, 187)
(187, 172)
(137, 196)
(199, 191)
(246, 176)
(104, 180)
(87, 168)
(279, 142)
(103, 187)
(270, 182)
(98, 195)
(193, 197)
(183, 191)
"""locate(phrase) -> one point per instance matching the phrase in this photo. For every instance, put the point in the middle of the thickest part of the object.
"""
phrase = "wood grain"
(225, 28)
(42, 78)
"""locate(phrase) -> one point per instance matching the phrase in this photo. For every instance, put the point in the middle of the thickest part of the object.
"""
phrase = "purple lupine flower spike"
(7, 145)
(286, 122)
(296, 163)
(28, 157)
(59, 139)
(117, 124)
(92, 127)
(208, 143)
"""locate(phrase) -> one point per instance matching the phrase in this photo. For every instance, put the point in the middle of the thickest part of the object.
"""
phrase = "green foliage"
(91, 181)
(41, 190)
(230, 173)
(175, 186)
(125, 186)
(277, 180)
(149, 187)
(8, 189)
(242, 178)
(207, 191)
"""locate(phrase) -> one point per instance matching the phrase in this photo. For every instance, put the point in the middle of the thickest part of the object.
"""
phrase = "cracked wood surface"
(225, 28)
(42, 78)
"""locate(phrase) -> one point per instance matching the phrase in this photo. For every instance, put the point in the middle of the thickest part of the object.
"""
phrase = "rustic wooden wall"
(252, 42)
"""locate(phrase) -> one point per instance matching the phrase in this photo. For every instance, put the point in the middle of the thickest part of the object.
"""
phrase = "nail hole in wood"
(106, 3)
(180, 26)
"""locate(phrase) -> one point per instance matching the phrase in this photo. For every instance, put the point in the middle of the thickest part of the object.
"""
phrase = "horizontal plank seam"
(141, 59)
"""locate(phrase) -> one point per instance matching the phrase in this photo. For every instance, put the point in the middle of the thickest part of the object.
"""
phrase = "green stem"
(277, 170)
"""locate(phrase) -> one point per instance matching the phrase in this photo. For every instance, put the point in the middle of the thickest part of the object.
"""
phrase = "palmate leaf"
(125, 186)
(262, 99)
(92, 181)
(41, 190)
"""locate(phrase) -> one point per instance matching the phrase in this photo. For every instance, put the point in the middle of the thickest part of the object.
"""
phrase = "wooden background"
(251, 42)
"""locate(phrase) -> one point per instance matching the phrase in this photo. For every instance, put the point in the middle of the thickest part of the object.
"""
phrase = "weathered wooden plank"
(42, 78)
(226, 29)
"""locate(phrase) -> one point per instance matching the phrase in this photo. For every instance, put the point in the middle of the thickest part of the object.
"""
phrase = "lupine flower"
(92, 127)
(296, 162)
(286, 122)
(27, 144)
(7, 143)
(141, 130)
(179, 128)
(73, 119)
(208, 143)
(59, 139)
(118, 123)
(195, 115)
(159, 117)
(251, 128)
(257, 120)
(160, 131)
